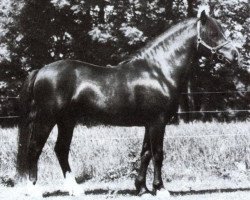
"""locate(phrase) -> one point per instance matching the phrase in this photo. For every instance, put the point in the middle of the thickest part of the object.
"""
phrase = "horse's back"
(64, 82)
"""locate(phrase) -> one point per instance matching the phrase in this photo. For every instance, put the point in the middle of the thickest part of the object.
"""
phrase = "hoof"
(27, 187)
(32, 190)
(143, 191)
(70, 185)
(146, 196)
(141, 188)
(163, 194)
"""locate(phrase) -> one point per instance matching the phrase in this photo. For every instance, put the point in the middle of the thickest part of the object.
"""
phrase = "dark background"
(38, 32)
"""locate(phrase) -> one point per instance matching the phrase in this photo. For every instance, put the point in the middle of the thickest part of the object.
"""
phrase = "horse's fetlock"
(158, 185)
(139, 181)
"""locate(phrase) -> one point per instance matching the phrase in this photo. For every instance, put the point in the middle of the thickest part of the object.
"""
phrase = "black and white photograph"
(124, 99)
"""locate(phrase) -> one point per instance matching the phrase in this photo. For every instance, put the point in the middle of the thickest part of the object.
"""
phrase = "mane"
(163, 40)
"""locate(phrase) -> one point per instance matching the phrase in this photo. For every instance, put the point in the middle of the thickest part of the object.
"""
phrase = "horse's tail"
(28, 113)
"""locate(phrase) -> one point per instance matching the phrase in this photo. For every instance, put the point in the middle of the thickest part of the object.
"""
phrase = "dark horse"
(142, 91)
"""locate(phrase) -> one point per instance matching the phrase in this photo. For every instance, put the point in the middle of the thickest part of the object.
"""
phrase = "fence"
(180, 112)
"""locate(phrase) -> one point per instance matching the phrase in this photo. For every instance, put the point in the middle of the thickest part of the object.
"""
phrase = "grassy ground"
(216, 152)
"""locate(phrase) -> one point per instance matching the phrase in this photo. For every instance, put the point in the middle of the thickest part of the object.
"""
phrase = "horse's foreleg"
(140, 182)
(156, 134)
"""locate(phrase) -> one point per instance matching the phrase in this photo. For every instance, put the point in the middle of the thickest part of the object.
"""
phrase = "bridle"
(213, 50)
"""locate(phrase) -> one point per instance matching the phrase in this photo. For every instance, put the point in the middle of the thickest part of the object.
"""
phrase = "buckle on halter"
(213, 50)
(220, 57)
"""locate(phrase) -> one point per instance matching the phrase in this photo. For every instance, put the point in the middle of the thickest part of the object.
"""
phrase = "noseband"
(213, 50)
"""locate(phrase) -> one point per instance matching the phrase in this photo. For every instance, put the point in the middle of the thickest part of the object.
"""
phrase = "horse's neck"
(173, 53)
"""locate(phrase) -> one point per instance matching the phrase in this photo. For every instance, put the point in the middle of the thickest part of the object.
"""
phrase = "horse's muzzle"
(232, 58)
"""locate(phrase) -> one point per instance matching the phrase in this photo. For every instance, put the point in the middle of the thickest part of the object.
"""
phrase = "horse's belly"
(118, 107)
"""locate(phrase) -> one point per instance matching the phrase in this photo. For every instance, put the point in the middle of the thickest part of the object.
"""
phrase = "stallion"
(141, 91)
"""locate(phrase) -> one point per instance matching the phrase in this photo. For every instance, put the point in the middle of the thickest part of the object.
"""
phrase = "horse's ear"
(203, 17)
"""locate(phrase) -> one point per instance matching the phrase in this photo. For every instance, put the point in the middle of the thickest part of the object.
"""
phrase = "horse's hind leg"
(65, 133)
(40, 133)
(140, 181)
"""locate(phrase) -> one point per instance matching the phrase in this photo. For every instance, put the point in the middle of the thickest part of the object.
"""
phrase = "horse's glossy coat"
(127, 95)
(142, 91)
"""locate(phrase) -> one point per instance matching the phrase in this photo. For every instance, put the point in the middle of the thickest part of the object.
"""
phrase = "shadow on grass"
(7, 182)
(133, 192)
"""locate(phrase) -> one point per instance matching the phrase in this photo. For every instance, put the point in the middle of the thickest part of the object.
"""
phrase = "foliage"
(35, 33)
(226, 78)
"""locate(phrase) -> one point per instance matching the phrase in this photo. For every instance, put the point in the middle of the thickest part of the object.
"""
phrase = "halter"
(214, 50)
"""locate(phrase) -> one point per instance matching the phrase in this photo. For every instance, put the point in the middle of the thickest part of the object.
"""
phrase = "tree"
(107, 31)
(168, 5)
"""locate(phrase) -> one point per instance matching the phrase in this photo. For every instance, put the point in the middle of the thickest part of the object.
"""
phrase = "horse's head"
(212, 43)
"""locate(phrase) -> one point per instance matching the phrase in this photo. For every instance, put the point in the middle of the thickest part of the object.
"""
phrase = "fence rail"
(184, 112)
(213, 111)
(9, 117)
(205, 111)
(217, 92)
(10, 97)
(171, 137)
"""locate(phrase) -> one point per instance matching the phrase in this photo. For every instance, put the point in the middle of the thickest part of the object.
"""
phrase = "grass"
(193, 152)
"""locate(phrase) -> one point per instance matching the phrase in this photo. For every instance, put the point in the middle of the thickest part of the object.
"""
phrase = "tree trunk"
(101, 13)
(190, 8)
(169, 9)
